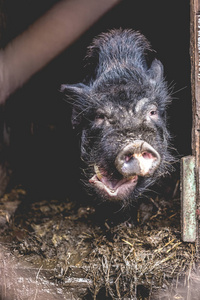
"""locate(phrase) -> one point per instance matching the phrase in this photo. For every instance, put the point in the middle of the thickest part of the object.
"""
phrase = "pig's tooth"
(98, 173)
(133, 177)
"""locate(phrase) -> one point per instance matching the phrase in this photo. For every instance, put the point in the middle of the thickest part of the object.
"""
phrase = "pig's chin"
(112, 188)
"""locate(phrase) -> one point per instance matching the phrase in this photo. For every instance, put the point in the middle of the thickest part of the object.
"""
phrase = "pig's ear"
(156, 71)
(75, 95)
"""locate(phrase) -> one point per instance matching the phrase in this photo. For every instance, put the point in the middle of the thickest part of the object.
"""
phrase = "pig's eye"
(153, 112)
(99, 118)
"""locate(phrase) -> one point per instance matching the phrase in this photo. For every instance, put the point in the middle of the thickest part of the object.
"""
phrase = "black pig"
(120, 111)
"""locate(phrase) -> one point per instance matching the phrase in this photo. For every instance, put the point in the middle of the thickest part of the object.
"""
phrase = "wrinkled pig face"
(124, 139)
(123, 144)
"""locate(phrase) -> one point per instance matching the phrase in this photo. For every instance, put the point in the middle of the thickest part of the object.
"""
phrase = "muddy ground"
(59, 249)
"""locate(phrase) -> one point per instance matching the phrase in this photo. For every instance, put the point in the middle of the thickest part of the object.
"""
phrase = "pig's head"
(121, 115)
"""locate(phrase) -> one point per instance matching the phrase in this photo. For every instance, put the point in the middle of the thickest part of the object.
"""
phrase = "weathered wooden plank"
(21, 280)
(188, 199)
(195, 85)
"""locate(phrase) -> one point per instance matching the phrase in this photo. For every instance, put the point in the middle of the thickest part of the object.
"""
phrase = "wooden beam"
(51, 34)
(195, 84)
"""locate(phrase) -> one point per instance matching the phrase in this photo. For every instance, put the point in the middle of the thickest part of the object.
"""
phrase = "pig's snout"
(137, 158)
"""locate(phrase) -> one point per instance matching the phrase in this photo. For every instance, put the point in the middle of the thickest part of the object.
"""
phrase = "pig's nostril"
(148, 155)
(128, 157)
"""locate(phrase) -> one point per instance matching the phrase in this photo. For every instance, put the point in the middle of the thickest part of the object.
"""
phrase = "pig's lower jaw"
(112, 188)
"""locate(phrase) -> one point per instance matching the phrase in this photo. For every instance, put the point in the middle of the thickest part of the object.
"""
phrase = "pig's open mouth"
(115, 188)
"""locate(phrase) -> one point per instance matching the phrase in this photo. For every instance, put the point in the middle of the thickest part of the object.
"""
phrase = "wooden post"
(188, 199)
(195, 84)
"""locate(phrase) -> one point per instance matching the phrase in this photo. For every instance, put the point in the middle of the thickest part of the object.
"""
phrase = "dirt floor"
(58, 249)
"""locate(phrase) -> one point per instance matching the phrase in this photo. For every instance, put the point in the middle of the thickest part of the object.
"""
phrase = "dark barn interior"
(39, 104)
(53, 218)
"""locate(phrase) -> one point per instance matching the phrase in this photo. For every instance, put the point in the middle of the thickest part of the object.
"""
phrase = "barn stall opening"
(54, 240)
